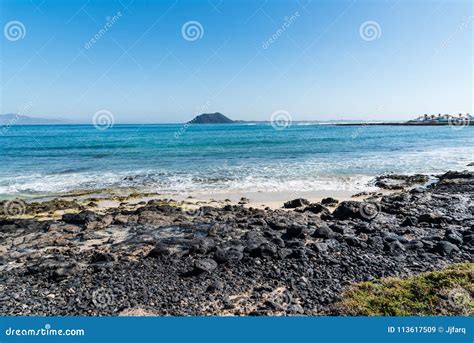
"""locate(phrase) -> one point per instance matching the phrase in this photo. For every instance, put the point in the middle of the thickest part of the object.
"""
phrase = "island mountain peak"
(211, 118)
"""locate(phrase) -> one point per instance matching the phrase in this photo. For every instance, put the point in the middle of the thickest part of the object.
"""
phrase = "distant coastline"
(11, 119)
(467, 123)
(8, 120)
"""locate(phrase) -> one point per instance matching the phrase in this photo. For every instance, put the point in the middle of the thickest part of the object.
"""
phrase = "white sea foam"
(41, 184)
(351, 173)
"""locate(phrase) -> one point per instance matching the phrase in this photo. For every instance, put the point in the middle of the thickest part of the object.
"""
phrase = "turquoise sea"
(43, 160)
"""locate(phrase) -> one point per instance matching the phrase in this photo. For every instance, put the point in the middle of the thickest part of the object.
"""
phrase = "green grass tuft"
(446, 292)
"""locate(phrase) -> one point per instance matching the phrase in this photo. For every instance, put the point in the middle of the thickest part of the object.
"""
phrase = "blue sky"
(319, 67)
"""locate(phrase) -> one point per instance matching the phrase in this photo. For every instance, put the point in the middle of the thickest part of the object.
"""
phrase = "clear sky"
(386, 59)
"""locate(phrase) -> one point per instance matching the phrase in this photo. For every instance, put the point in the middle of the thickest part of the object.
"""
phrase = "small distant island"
(18, 119)
(211, 118)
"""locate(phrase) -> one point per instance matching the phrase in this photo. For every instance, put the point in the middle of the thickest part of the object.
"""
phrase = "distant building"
(443, 118)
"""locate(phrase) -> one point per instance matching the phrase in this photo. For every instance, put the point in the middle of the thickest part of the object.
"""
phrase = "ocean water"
(44, 160)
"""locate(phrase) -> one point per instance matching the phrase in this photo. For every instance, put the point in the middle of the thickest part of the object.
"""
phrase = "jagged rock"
(300, 202)
(354, 210)
(445, 248)
(159, 250)
(319, 247)
(224, 255)
(316, 209)
(414, 245)
(409, 221)
(323, 232)
(396, 181)
(296, 231)
(329, 201)
(205, 265)
(99, 257)
(215, 286)
(395, 248)
(88, 219)
(450, 175)
(352, 241)
(454, 237)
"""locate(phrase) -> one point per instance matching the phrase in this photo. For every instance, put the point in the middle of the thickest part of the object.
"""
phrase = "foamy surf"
(224, 158)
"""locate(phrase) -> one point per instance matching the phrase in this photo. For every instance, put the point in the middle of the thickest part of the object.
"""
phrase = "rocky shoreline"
(158, 258)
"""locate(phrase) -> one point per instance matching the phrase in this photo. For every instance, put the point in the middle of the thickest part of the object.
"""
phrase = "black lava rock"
(445, 248)
(323, 232)
(316, 209)
(329, 201)
(159, 250)
(206, 265)
(296, 231)
(296, 203)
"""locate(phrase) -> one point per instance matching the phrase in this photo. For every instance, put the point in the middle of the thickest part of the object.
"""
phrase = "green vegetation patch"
(446, 292)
